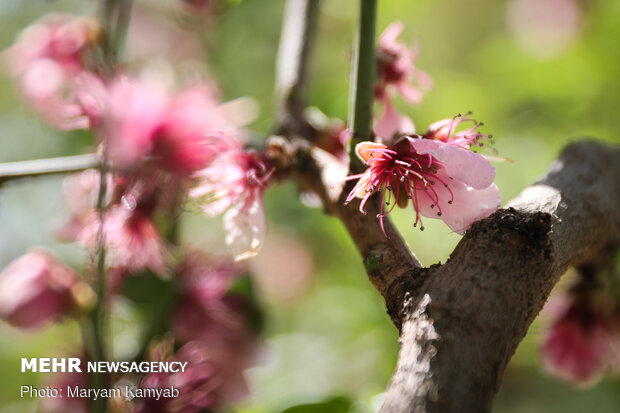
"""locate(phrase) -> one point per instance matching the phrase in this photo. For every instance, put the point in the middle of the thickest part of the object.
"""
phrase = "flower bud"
(36, 289)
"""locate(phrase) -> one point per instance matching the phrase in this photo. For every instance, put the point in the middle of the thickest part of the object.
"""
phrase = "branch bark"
(463, 325)
(462, 321)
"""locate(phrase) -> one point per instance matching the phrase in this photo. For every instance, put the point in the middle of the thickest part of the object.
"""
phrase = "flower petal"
(364, 150)
(468, 204)
(393, 122)
(390, 34)
(461, 164)
(245, 228)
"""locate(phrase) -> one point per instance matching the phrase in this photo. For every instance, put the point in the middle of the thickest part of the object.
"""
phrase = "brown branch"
(385, 258)
(462, 321)
(463, 325)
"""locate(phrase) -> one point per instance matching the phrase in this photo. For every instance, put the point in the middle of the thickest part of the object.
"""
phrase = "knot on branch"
(519, 233)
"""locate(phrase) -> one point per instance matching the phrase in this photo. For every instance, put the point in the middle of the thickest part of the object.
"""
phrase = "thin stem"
(100, 286)
(363, 76)
(107, 16)
(296, 40)
(48, 166)
(122, 25)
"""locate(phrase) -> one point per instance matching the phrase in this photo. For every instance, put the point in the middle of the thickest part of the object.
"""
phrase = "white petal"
(245, 228)
(333, 171)
(461, 164)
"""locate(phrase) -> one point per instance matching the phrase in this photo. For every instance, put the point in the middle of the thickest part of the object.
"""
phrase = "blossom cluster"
(163, 142)
(437, 171)
(160, 144)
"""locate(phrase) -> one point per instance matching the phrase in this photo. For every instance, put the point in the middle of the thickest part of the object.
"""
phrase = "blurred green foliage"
(335, 343)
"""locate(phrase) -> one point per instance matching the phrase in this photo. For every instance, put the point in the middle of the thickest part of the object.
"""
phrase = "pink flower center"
(404, 175)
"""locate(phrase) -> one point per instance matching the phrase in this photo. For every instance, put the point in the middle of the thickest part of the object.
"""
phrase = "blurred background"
(538, 73)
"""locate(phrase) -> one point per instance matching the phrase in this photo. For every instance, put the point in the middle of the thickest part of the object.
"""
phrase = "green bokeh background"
(334, 348)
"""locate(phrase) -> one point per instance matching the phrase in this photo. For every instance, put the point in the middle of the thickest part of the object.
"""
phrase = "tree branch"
(462, 321)
(463, 325)
(385, 258)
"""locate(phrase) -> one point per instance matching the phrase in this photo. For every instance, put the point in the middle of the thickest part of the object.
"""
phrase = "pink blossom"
(48, 60)
(80, 192)
(194, 131)
(392, 122)
(395, 67)
(180, 133)
(441, 180)
(195, 385)
(132, 240)
(216, 323)
(60, 38)
(203, 310)
(213, 378)
(235, 181)
(35, 289)
(579, 345)
(134, 112)
(204, 277)
(445, 131)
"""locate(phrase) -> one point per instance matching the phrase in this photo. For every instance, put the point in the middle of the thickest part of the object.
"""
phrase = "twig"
(48, 166)
(363, 77)
(385, 257)
(296, 41)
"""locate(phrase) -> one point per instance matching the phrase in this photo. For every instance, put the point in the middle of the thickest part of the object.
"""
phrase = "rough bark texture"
(461, 322)
(463, 325)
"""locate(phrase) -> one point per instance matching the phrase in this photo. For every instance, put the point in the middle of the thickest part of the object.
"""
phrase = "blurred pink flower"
(203, 310)
(580, 345)
(195, 384)
(60, 38)
(395, 67)
(80, 192)
(213, 378)
(206, 278)
(193, 132)
(181, 133)
(48, 59)
(445, 131)
(134, 111)
(441, 180)
(132, 240)
(35, 289)
(235, 181)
